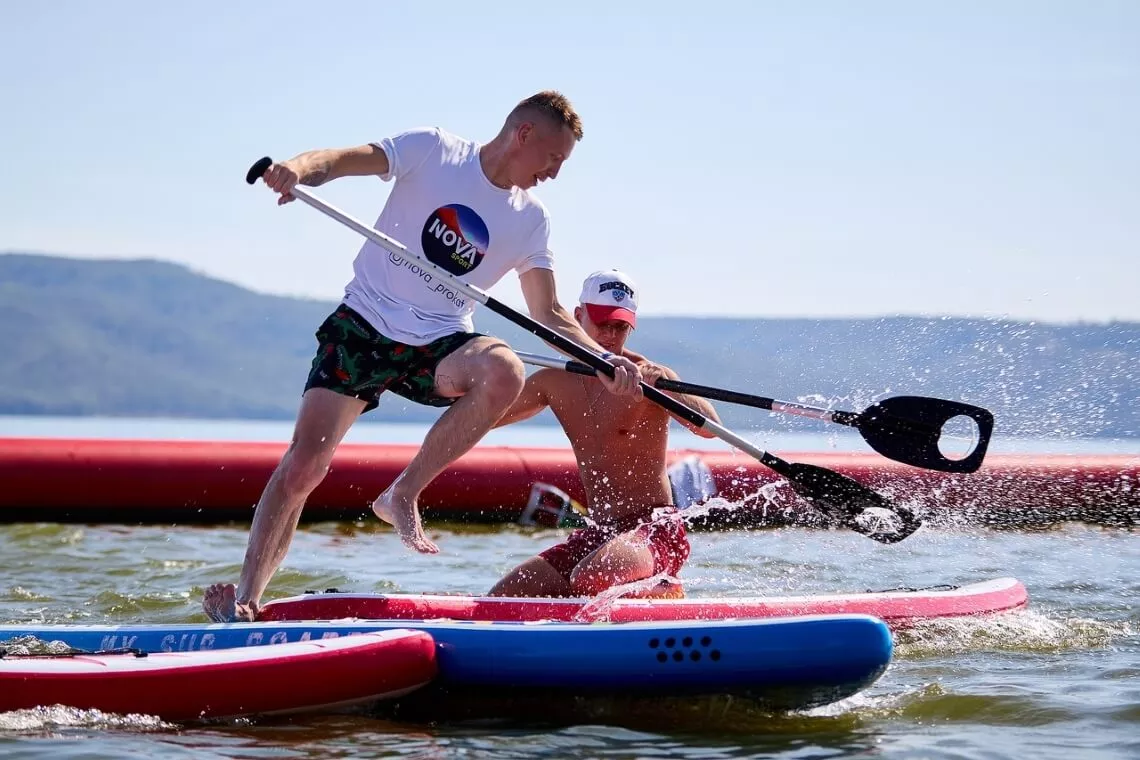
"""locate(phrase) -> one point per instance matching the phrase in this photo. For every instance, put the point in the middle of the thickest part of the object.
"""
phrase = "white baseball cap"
(609, 294)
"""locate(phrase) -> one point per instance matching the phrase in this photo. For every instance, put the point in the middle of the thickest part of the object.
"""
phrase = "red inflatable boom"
(203, 481)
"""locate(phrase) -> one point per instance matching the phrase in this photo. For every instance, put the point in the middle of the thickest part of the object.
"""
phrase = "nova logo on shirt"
(455, 238)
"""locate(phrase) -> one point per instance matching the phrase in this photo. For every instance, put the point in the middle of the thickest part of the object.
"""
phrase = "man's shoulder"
(450, 140)
(428, 139)
(526, 202)
(538, 205)
(548, 375)
(553, 380)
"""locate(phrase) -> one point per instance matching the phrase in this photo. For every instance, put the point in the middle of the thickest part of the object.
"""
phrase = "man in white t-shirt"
(467, 208)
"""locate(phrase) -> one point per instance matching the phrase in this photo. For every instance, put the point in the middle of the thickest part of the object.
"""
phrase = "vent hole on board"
(715, 655)
(678, 655)
(695, 655)
(687, 641)
(669, 642)
(662, 657)
(705, 641)
(654, 643)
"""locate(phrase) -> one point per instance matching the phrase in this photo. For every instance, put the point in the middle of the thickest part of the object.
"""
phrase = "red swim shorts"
(665, 535)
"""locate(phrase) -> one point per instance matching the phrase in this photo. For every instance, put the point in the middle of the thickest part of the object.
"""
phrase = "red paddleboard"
(897, 608)
(226, 683)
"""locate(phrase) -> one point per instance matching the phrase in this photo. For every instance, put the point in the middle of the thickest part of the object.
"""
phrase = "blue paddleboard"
(785, 662)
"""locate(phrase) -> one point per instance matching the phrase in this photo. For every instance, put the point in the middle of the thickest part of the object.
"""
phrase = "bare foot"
(403, 514)
(221, 605)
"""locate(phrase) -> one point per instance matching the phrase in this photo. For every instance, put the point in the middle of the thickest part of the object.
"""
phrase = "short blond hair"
(551, 104)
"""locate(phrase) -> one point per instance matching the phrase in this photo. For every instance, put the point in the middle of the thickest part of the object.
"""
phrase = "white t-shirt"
(443, 207)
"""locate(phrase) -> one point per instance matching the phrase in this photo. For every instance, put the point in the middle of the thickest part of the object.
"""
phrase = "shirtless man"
(467, 208)
(620, 444)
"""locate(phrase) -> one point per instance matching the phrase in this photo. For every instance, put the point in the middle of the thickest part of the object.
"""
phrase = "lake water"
(1059, 680)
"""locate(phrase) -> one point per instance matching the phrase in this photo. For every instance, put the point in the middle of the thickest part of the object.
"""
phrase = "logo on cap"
(609, 294)
(618, 290)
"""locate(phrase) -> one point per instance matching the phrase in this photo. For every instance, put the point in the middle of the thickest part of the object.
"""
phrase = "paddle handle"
(707, 391)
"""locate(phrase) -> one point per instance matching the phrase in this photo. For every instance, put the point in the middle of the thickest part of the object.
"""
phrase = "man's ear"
(577, 313)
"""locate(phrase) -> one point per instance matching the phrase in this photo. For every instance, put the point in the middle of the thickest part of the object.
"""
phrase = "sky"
(775, 159)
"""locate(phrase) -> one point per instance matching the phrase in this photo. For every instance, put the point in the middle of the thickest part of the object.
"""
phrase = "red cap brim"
(599, 314)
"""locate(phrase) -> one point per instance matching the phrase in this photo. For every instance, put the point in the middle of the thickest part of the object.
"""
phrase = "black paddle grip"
(257, 171)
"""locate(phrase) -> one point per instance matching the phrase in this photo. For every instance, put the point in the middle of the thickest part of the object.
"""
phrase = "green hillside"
(147, 338)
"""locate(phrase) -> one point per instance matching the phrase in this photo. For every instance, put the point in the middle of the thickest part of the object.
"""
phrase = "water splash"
(865, 704)
(1023, 631)
(23, 646)
(771, 501)
(934, 702)
(21, 594)
(600, 607)
(56, 717)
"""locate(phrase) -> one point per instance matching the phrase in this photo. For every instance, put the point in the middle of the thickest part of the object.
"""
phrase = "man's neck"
(493, 160)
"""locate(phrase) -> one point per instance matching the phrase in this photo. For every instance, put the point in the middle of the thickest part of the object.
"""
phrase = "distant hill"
(148, 338)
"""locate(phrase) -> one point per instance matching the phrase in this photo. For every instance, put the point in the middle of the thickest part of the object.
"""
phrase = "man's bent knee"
(499, 373)
(303, 468)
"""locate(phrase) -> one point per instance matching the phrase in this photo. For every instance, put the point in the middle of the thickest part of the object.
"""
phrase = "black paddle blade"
(851, 504)
(908, 428)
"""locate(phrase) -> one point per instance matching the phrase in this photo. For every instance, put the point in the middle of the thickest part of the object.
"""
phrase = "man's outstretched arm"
(316, 167)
